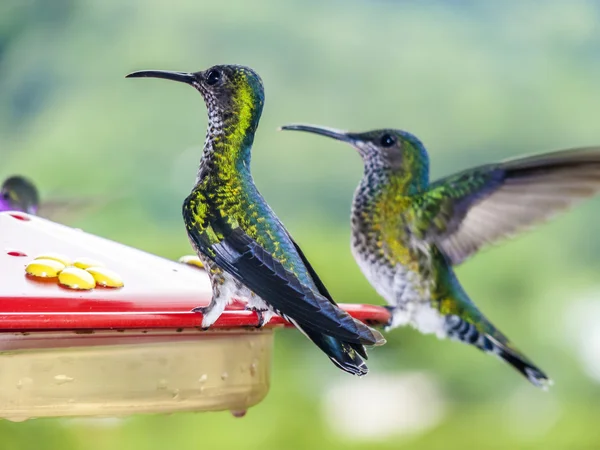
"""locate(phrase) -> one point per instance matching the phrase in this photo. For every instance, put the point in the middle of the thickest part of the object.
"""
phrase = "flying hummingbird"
(244, 247)
(407, 233)
(19, 194)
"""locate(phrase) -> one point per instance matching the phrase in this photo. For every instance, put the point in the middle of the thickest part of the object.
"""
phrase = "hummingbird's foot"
(261, 319)
(205, 311)
(200, 309)
(264, 315)
(390, 323)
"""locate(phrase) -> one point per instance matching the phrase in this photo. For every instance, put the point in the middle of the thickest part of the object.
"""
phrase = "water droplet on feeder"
(203, 378)
(238, 414)
(253, 368)
(224, 376)
(162, 384)
(62, 379)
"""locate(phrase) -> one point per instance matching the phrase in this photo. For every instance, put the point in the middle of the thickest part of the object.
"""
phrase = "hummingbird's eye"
(387, 140)
(5, 195)
(213, 77)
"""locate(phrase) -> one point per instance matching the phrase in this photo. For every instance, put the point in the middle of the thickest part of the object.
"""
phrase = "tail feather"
(495, 343)
(368, 335)
(534, 374)
(345, 355)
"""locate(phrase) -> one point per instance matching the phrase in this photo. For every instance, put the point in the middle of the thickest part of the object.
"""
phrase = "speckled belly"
(397, 284)
(405, 291)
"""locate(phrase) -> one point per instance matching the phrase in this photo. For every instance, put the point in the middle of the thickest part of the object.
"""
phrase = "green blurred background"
(476, 81)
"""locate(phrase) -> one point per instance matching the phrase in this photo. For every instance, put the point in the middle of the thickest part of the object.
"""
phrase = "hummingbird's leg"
(221, 288)
(257, 304)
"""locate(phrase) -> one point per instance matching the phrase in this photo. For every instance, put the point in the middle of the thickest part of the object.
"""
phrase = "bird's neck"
(228, 143)
(382, 196)
(384, 181)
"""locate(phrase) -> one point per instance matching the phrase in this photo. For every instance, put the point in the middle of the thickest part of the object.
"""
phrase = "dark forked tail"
(495, 343)
(346, 356)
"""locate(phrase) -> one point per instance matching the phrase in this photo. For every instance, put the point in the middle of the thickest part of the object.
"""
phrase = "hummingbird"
(19, 194)
(244, 247)
(408, 232)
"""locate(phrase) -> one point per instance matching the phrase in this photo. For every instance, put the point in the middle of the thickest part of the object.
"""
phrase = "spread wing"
(464, 212)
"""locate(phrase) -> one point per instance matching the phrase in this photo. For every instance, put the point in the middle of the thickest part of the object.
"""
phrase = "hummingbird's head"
(19, 194)
(232, 93)
(391, 150)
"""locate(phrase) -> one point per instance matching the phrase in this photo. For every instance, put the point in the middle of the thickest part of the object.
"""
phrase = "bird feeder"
(90, 327)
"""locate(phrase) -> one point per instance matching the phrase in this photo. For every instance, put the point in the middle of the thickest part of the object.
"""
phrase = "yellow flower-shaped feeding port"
(44, 268)
(82, 274)
(76, 278)
(105, 277)
(192, 260)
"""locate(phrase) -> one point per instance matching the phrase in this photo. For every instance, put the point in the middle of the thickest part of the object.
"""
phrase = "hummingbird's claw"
(260, 313)
(261, 319)
(202, 310)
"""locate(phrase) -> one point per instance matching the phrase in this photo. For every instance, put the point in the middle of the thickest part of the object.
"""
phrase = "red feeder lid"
(157, 293)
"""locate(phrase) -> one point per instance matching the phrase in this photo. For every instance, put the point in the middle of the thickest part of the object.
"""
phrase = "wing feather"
(244, 258)
(480, 206)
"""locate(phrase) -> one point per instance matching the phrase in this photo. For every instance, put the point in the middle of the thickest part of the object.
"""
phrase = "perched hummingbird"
(244, 247)
(19, 194)
(407, 233)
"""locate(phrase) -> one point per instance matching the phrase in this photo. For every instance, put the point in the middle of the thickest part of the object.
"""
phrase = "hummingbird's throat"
(227, 145)
(232, 122)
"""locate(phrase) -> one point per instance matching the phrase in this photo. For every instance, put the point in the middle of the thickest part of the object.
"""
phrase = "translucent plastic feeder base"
(110, 373)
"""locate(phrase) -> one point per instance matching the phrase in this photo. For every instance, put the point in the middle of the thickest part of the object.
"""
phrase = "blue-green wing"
(464, 212)
(247, 261)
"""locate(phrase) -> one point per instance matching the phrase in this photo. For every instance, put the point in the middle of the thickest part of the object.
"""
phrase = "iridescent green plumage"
(407, 233)
(244, 246)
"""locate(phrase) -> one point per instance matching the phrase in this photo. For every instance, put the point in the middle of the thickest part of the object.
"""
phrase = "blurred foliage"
(477, 81)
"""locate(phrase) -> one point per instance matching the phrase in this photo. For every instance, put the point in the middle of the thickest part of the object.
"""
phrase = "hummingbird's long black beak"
(184, 77)
(339, 135)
